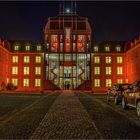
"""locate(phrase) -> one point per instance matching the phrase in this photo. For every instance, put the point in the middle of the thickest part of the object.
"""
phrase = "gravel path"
(67, 119)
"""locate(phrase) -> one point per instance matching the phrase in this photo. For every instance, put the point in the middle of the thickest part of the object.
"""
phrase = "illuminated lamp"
(67, 10)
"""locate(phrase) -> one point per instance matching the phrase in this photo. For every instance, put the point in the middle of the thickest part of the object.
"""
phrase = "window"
(15, 82)
(25, 82)
(26, 70)
(14, 70)
(54, 42)
(120, 81)
(74, 37)
(61, 37)
(108, 70)
(96, 70)
(119, 70)
(96, 82)
(26, 59)
(61, 47)
(107, 49)
(108, 59)
(38, 59)
(118, 48)
(74, 46)
(37, 70)
(96, 49)
(16, 48)
(38, 47)
(37, 82)
(27, 48)
(108, 82)
(96, 59)
(15, 59)
(119, 59)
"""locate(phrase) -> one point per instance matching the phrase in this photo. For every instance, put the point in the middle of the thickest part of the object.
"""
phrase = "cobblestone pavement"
(66, 119)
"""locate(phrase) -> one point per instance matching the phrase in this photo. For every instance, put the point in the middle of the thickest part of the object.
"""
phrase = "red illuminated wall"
(4, 63)
(133, 60)
(32, 76)
(103, 76)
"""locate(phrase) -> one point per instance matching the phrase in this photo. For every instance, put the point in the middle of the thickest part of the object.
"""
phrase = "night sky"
(112, 21)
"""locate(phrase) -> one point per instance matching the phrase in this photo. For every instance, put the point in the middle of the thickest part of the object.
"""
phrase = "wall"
(133, 61)
(103, 76)
(4, 64)
(20, 76)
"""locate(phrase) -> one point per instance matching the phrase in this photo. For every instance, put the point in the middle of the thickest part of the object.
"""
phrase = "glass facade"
(68, 71)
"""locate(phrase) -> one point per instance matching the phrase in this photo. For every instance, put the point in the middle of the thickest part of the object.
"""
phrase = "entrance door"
(67, 84)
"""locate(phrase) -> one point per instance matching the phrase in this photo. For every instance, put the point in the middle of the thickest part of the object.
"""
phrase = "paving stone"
(66, 119)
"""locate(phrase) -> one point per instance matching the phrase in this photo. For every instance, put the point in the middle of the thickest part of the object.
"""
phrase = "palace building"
(67, 60)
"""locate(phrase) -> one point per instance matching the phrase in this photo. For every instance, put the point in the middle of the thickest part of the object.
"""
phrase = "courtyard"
(65, 115)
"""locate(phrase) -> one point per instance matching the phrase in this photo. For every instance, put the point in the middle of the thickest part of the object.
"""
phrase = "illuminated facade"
(68, 51)
(67, 59)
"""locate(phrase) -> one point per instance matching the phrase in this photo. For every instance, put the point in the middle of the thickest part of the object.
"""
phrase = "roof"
(23, 43)
(112, 46)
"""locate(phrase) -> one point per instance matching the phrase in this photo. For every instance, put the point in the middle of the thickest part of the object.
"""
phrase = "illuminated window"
(118, 48)
(38, 47)
(96, 70)
(27, 48)
(37, 82)
(16, 48)
(15, 82)
(25, 82)
(107, 49)
(54, 42)
(81, 43)
(15, 59)
(61, 47)
(108, 82)
(74, 46)
(108, 70)
(120, 81)
(96, 82)
(38, 59)
(119, 59)
(96, 59)
(26, 59)
(37, 70)
(26, 70)
(74, 37)
(61, 38)
(108, 59)
(14, 70)
(96, 49)
(119, 70)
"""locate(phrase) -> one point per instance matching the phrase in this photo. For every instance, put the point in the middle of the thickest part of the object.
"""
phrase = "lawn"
(20, 115)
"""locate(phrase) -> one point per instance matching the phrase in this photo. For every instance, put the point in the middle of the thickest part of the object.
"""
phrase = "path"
(67, 118)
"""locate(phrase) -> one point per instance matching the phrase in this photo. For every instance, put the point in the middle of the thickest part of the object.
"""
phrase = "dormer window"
(107, 48)
(38, 47)
(118, 48)
(96, 49)
(16, 47)
(27, 48)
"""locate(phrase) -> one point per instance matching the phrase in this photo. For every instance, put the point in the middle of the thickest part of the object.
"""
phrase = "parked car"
(131, 97)
(115, 92)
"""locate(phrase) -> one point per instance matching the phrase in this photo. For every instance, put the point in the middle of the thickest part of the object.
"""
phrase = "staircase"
(49, 85)
(86, 85)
